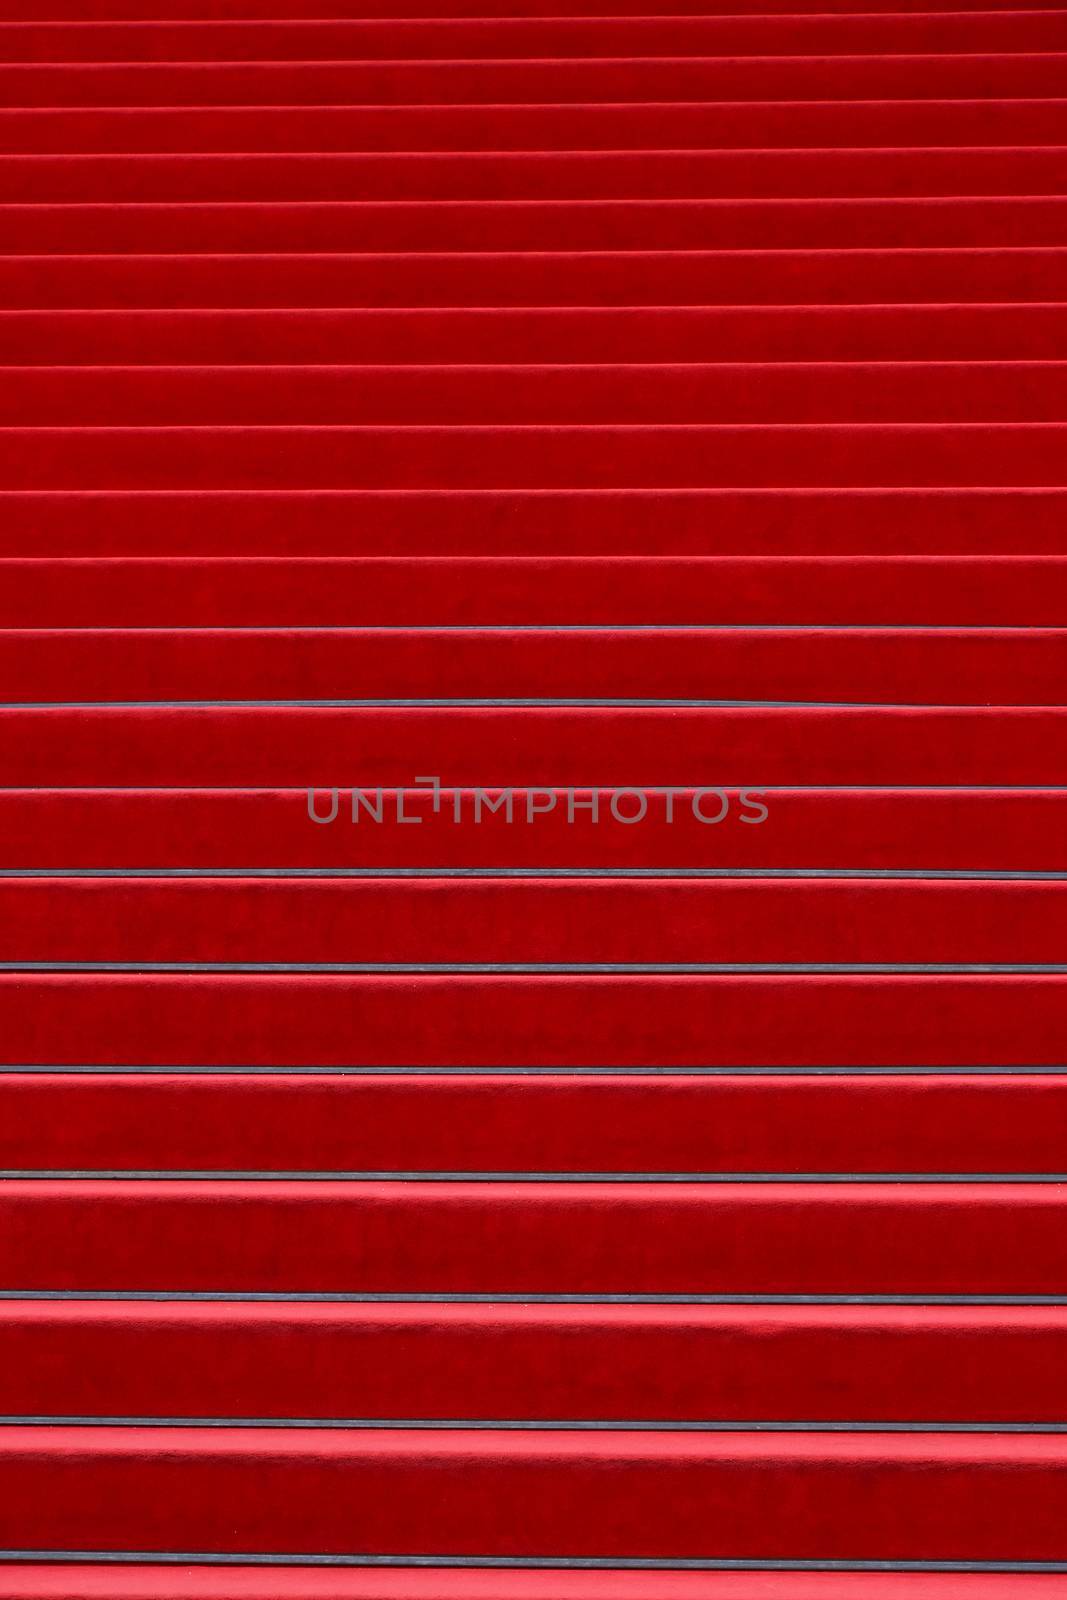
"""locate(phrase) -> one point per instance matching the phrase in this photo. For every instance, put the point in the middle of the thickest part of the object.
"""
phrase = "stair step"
(108, 11)
(976, 831)
(537, 175)
(525, 334)
(758, 393)
(968, 75)
(597, 278)
(592, 921)
(1007, 667)
(650, 1364)
(544, 1020)
(677, 125)
(524, 591)
(375, 226)
(514, 1123)
(530, 1237)
(257, 746)
(499, 39)
(658, 1496)
(547, 523)
(133, 1580)
(789, 455)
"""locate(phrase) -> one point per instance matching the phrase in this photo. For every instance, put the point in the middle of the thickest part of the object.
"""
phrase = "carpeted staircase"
(533, 762)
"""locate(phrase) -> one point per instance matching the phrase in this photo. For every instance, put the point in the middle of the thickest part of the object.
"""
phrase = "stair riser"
(896, 668)
(735, 394)
(712, 125)
(301, 1020)
(774, 278)
(525, 335)
(828, 830)
(1018, 455)
(141, 920)
(502, 39)
(383, 1238)
(642, 749)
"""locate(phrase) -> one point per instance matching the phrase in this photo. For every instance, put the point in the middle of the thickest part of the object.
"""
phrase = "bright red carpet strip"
(647, 747)
(860, 455)
(532, 176)
(526, 335)
(974, 831)
(21, 11)
(545, 1020)
(759, 392)
(568, 921)
(876, 666)
(652, 1363)
(266, 226)
(608, 278)
(235, 1581)
(563, 522)
(507, 38)
(702, 125)
(181, 1580)
(329, 1236)
(421, 1123)
(296, 1491)
(529, 592)
(377, 382)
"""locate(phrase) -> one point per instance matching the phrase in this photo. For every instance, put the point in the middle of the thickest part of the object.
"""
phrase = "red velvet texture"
(567, 401)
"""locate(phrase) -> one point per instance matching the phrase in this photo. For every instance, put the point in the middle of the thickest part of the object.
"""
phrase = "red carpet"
(533, 877)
